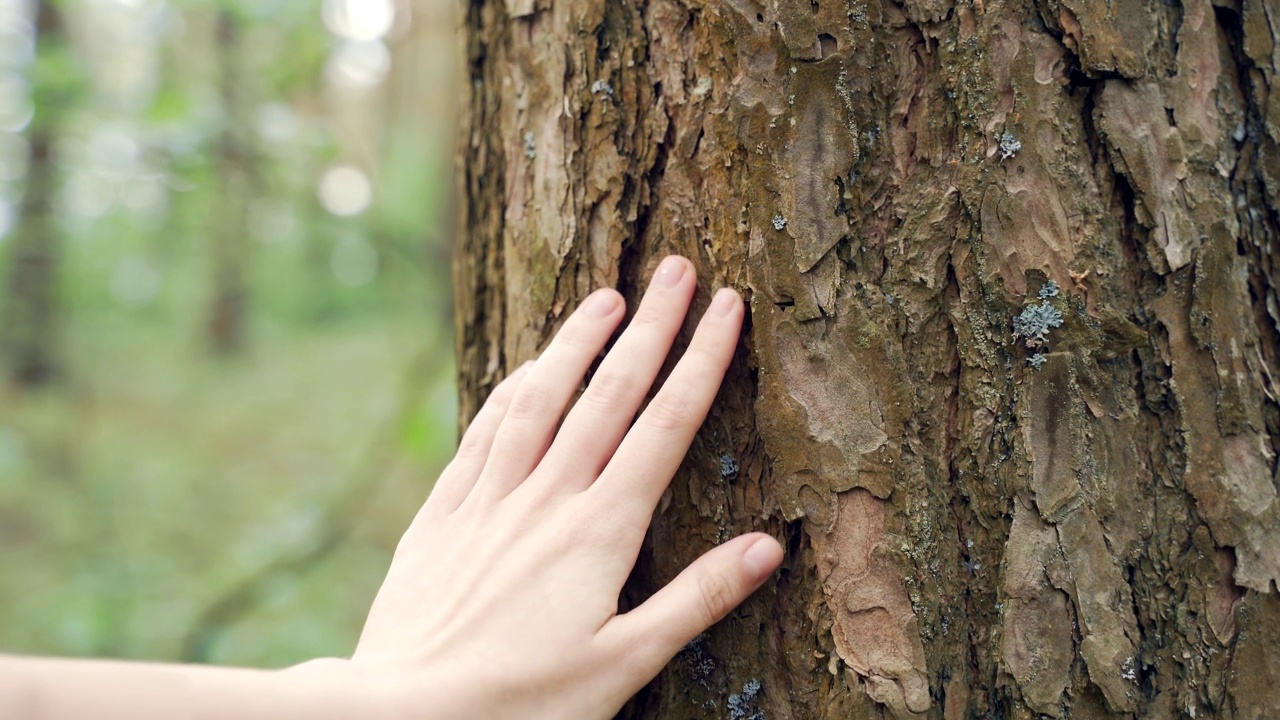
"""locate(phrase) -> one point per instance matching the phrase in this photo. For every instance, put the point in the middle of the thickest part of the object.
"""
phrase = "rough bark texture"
(984, 518)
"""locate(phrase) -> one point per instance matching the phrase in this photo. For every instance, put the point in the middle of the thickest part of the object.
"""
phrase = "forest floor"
(164, 505)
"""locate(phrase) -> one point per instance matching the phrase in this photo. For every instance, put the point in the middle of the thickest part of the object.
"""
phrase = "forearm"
(42, 689)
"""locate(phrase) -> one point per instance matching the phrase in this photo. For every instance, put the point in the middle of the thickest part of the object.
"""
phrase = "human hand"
(502, 598)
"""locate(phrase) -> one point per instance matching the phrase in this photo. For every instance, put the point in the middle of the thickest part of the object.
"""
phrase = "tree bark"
(1006, 392)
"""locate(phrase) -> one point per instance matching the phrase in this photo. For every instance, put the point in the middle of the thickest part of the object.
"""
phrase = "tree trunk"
(236, 161)
(29, 321)
(1006, 393)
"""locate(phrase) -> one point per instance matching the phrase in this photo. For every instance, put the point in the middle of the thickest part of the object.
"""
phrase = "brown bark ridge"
(1007, 392)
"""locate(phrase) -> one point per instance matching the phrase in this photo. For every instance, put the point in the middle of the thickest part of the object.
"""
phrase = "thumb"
(698, 598)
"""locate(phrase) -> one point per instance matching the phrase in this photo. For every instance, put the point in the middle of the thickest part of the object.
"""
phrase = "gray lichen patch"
(1036, 322)
(746, 704)
(883, 308)
(728, 466)
(1009, 146)
(699, 663)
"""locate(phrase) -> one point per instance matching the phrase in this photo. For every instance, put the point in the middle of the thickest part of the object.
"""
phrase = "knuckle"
(503, 391)
(578, 335)
(702, 359)
(498, 400)
(529, 403)
(471, 447)
(610, 390)
(618, 515)
(669, 411)
(715, 596)
(649, 315)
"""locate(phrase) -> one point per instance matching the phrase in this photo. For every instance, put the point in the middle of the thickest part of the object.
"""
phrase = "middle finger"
(597, 422)
(539, 403)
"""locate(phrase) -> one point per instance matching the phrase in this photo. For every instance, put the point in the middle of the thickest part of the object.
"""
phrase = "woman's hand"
(502, 599)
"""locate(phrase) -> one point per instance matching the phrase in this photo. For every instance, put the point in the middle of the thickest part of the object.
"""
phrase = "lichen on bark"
(967, 536)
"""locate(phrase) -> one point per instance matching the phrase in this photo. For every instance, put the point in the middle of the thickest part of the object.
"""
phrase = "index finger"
(639, 472)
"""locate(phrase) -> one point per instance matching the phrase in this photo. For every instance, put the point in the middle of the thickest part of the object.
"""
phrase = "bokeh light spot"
(345, 191)
(112, 150)
(17, 42)
(359, 19)
(88, 194)
(16, 109)
(359, 63)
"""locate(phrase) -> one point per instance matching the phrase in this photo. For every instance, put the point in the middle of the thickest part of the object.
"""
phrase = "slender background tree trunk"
(29, 321)
(1006, 393)
(236, 162)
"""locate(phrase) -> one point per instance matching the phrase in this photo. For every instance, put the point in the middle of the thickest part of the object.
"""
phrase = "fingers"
(698, 598)
(602, 415)
(642, 467)
(540, 401)
(473, 450)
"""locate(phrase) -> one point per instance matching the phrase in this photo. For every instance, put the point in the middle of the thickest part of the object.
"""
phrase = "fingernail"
(601, 304)
(670, 272)
(724, 303)
(762, 558)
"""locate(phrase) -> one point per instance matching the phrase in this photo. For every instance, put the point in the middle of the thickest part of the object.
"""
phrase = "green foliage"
(159, 480)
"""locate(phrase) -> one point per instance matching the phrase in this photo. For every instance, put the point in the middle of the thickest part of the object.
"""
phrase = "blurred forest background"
(224, 318)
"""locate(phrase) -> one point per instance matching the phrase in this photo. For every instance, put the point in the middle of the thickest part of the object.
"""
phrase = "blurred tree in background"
(224, 315)
(28, 325)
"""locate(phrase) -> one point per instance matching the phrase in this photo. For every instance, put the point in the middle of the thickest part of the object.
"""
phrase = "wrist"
(326, 688)
(400, 694)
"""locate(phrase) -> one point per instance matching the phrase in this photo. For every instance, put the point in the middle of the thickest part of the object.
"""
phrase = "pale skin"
(502, 598)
